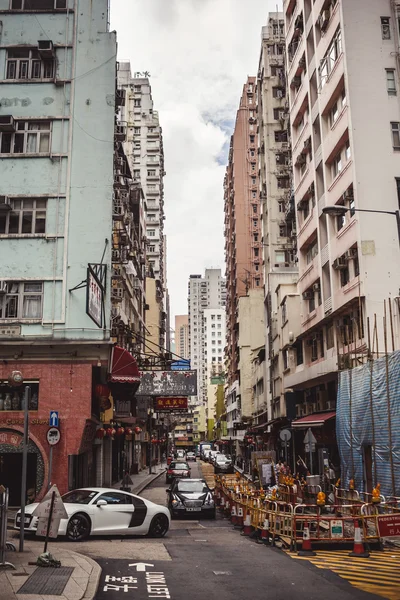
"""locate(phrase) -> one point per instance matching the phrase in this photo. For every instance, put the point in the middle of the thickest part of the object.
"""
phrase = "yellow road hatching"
(379, 574)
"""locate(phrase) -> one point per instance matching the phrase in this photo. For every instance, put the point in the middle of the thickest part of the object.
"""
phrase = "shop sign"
(21, 422)
(88, 436)
(10, 331)
(10, 438)
(168, 383)
(94, 298)
(389, 525)
(166, 403)
(122, 408)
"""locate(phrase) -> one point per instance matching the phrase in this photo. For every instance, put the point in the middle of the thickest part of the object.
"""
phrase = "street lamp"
(339, 211)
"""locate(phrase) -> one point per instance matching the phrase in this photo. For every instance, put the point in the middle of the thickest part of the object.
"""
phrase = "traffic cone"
(218, 499)
(358, 549)
(239, 518)
(227, 509)
(222, 504)
(306, 549)
(265, 533)
(233, 515)
(247, 528)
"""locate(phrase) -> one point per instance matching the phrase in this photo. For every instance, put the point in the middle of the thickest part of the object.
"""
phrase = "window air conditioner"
(351, 253)
(308, 295)
(5, 204)
(46, 49)
(316, 287)
(7, 123)
(117, 293)
(340, 263)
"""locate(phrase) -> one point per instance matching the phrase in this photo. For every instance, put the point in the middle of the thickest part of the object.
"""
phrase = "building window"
(334, 114)
(337, 165)
(254, 208)
(152, 248)
(137, 102)
(37, 4)
(253, 181)
(281, 136)
(255, 236)
(280, 256)
(30, 137)
(330, 58)
(344, 276)
(26, 63)
(283, 182)
(22, 301)
(347, 150)
(395, 135)
(312, 251)
(385, 28)
(256, 252)
(257, 283)
(136, 131)
(151, 232)
(252, 139)
(136, 173)
(281, 206)
(151, 173)
(27, 215)
(282, 230)
(390, 82)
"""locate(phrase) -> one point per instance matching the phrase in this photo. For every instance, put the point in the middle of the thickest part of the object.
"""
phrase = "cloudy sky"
(199, 53)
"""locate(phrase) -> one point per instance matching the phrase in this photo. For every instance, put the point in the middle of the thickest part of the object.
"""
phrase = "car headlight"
(176, 501)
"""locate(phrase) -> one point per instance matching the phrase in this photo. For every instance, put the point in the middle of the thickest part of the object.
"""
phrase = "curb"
(144, 485)
(94, 577)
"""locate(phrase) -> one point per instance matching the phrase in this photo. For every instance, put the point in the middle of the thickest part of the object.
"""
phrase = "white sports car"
(102, 511)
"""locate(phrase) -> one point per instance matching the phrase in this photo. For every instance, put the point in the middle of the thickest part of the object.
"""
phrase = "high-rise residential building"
(277, 210)
(145, 152)
(206, 292)
(243, 245)
(182, 336)
(56, 147)
(343, 73)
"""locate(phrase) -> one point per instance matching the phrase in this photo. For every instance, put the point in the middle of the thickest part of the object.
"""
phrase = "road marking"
(378, 574)
(141, 566)
(222, 572)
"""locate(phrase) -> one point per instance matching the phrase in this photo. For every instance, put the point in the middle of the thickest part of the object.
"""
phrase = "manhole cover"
(47, 581)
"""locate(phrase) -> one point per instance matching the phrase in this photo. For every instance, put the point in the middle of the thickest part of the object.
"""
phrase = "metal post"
(311, 467)
(150, 448)
(397, 213)
(27, 396)
(50, 468)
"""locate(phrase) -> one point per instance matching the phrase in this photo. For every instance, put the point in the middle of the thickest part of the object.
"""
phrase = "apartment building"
(206, 292)
(145, 153)
(243, 246)
(182, 336)
(343, 73)
(277, 214)
(57, 140)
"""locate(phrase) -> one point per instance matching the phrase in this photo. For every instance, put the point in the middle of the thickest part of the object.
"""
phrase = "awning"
(124, 367)
(314, 420)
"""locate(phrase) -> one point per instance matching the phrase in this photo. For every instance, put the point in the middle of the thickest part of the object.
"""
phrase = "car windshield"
(79, 496)
(221, 458)
(179, 465)
(191, 487)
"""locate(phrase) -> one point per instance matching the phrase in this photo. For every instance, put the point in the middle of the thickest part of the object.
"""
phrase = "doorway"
(10, 475)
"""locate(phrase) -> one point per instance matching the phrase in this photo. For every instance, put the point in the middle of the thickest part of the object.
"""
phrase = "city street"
(200, 559)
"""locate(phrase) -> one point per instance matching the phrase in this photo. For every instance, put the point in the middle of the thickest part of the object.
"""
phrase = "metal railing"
(4, 545)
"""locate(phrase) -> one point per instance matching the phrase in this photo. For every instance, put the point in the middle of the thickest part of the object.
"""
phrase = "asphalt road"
(203, 559)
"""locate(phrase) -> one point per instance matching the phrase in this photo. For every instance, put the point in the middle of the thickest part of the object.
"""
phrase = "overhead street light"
(339, 211)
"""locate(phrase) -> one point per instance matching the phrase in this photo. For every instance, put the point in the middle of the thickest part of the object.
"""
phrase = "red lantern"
(128, 431)
(137, 430)
(120, 431)
(110, 432)
(101, 390)
(100, 433)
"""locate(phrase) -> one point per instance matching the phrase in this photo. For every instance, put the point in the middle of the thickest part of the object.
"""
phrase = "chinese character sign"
(170, 404)
(94, 299)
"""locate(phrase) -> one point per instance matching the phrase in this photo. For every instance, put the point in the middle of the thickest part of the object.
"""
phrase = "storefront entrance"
(10, 475)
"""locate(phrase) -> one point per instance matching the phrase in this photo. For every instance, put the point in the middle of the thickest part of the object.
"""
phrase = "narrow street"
(200, 559)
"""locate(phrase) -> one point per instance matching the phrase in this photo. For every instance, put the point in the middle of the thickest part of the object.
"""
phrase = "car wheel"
(78, 528)
(159, 526)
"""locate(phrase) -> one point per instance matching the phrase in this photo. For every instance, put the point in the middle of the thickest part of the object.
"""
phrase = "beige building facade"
(182, 336)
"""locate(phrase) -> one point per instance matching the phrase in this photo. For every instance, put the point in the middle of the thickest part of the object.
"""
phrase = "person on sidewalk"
(126, 483)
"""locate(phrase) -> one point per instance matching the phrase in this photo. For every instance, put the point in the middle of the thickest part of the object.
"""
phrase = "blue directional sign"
(53, 421)
(181, 365)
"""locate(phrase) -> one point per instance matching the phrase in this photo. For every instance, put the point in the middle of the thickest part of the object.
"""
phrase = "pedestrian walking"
(126, 483)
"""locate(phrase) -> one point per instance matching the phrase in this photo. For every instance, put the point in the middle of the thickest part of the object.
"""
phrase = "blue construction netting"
(368, 418)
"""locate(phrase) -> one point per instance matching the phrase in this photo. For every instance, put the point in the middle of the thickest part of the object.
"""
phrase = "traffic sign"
(53, 420)
(53, 436)
(309, 437)
(285, 435)
(43, 509)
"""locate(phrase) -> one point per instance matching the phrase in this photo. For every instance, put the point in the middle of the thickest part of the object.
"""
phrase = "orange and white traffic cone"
(247, 528)
(239, 518)
(358, 549)
(233, 515)
(222, 503)
(218, 498)
(227, 509)
(265, 532)
(306, 549)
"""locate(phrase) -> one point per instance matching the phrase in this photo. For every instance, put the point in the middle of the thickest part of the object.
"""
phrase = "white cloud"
(199, 53)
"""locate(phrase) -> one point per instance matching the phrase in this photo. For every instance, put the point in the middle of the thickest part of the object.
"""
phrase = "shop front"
(322, 453)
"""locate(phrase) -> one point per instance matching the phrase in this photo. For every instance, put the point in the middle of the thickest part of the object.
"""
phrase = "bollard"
(247, 528)
(306, 549)
(358, 548)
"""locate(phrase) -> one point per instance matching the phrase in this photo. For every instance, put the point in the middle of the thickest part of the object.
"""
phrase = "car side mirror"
(101, 503)
(168, 490)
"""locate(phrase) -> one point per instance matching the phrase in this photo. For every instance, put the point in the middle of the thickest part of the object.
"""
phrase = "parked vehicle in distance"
(213, 454)
(181, 454)
(222, 464)
(190, 456)
(103, 511)
(177, 469)
(205, 448)
(188, 497)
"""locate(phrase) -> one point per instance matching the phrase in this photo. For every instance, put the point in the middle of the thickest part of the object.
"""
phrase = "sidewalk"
(143, 479)
(81, 584)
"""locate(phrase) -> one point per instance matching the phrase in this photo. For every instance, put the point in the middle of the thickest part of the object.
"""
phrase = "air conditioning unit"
(46, 49)
(136, 283)
(340, 263)
(348, 195)
(7, 123)
(351, 253)
(3, 288)
(316, 287)
(5, 204)
(115, 255)
(323, 20)
(308, 295)
(294, 232)
(117, 293)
